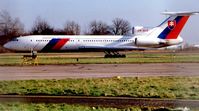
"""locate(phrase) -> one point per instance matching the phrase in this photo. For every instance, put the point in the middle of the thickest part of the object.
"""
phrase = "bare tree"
(59, 32)
(98, 28)
(72, 28)
(120, 27)
(5, 22)
(9, 27)
(41, 27)
(18, 27)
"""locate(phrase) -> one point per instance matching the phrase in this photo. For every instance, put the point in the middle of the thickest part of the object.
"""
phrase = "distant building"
(196, 46)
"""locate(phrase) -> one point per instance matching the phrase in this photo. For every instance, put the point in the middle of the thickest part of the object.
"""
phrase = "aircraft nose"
(7, 45)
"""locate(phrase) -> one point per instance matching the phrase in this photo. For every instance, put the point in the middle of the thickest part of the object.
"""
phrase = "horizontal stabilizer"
(180, 13)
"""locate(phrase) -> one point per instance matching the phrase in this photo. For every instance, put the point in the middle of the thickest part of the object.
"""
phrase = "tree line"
(12, 27)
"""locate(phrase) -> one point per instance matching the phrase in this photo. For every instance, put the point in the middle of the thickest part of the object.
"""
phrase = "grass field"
(146, 87)
(97, 58)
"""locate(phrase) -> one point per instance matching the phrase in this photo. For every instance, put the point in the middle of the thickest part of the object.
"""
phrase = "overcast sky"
(137, 12)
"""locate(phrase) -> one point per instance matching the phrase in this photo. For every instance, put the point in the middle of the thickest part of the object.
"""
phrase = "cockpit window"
(15, 39)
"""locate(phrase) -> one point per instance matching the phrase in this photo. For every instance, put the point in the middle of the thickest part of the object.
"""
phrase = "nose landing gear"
(30, 59)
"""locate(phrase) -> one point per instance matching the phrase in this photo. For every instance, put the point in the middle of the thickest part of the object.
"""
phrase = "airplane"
(163, 35)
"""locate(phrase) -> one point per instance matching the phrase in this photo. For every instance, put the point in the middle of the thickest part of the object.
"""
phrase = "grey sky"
(137, 12)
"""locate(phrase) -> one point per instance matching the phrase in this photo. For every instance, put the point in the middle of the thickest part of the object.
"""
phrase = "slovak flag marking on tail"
(171, 24)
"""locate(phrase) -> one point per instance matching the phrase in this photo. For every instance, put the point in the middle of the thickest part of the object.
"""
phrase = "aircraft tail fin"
(172, 26)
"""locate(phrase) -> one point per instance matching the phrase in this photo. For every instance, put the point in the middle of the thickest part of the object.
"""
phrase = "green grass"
(97, 58)
(65, 107)
(142, 87)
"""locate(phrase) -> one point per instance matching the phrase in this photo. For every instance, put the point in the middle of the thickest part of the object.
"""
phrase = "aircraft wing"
(109, 48)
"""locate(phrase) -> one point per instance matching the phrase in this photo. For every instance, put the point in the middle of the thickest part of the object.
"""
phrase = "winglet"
(185, 13)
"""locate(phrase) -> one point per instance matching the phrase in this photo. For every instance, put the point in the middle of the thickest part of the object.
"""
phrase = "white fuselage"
(38, 42)
(79, 42)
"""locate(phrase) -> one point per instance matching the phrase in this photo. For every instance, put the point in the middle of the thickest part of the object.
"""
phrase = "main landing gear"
(113, 54)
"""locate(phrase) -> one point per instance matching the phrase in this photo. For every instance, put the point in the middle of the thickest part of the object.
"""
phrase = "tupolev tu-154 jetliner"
(165, 34)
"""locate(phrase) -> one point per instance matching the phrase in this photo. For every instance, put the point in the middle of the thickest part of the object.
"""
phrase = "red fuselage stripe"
(60, 44)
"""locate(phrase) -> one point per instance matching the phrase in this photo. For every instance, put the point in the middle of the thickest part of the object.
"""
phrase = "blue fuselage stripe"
(50, 45)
